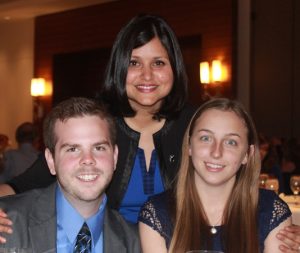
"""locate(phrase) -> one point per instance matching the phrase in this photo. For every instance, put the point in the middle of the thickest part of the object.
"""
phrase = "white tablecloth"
(294, 205)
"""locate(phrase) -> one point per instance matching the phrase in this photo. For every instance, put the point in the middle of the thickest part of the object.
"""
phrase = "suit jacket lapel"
(113, 240)
(42, 224)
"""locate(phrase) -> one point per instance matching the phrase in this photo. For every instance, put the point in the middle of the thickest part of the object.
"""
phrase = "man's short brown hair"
(75, 107)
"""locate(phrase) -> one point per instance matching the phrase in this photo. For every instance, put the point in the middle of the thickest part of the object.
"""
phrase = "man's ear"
(50, 161)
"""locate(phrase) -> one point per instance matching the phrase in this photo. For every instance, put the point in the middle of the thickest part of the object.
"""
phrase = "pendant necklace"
(213, 229)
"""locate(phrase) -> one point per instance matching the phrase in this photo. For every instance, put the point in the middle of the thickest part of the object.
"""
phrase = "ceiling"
(11, 10)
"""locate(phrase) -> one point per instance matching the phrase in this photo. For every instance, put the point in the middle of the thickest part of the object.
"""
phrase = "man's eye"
(72, 149)
(100, 148)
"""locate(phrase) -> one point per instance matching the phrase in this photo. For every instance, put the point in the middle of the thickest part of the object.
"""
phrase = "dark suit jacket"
(34, 224)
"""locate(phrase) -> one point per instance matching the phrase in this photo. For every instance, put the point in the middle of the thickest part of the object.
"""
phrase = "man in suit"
(71, 215)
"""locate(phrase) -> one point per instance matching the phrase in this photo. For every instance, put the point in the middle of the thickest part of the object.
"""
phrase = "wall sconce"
(211, 75)
(38, 87)
(204, 72)
(38, 90)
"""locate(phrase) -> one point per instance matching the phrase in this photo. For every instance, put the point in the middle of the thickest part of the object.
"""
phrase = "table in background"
(294, 207)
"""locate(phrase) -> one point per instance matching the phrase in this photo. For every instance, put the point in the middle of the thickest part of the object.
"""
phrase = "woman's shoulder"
(159, 202)
(156, 214)
(272, 209)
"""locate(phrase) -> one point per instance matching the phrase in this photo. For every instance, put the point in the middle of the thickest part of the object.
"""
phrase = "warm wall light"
(216, 71)
(213, 74)
(204, 72)
(38, 87)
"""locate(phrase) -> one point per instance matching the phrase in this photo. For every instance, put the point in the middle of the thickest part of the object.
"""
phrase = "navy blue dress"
(272, 211)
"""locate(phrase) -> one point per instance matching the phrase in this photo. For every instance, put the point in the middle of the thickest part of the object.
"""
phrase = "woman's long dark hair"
(138, 32)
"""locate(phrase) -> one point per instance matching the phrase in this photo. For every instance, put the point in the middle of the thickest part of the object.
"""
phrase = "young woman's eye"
(231, 142)
(204, 138)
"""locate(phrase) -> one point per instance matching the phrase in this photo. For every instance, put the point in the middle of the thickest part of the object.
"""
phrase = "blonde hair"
(240, 229)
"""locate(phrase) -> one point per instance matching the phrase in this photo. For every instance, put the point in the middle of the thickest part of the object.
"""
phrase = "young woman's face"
(218, 147)
(150, 76)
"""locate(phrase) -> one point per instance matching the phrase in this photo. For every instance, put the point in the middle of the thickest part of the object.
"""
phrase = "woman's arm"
(271, 243)
(151, 241)
(290, 239)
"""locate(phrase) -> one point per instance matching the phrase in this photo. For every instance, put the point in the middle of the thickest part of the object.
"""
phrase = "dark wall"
(275, 94)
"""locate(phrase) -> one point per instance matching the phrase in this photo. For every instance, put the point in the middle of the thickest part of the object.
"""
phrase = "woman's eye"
(204, 138)
(231, 142)
(159, 63)
(133, 63)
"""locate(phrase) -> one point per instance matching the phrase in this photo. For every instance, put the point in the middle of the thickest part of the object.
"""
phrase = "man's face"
(84, 159)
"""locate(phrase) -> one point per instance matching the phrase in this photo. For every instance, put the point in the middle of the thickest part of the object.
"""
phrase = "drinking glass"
(295, 186)
(263, 177)
(272, 184)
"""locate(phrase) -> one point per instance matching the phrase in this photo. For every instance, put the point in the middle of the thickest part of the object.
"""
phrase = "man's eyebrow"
(73, 145)
(104, 142)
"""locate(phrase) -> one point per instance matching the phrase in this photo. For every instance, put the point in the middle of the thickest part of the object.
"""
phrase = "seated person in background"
(80, 140)
(270, 160)
(16, 161)
(291, 161)
(217, 204)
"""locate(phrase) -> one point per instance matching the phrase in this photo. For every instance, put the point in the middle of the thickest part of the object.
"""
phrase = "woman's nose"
(216, 150)
(147, 72)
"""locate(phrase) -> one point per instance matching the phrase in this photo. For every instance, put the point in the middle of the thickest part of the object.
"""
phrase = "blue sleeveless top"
(142, 184)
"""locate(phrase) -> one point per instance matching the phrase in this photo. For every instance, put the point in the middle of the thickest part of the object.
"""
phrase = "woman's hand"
(5, 225)
(290, 236)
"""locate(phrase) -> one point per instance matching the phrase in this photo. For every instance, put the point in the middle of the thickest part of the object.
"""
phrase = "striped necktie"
(83, 240)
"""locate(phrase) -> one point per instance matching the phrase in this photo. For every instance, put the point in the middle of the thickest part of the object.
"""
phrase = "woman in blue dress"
(217, 203)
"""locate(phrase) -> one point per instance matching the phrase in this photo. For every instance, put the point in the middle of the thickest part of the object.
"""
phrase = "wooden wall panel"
(275, 90)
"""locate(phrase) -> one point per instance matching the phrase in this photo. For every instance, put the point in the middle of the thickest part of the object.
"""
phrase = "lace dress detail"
(155, 214)
(271, 212)
(149, 213)
(279, 211)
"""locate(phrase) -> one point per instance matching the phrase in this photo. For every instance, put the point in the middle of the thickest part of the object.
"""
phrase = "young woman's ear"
(250, 152)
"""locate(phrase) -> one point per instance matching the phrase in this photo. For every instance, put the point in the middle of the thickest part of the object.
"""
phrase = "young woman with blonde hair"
(217, 203)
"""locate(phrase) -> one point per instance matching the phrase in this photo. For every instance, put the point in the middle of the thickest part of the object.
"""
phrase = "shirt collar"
(71, 221)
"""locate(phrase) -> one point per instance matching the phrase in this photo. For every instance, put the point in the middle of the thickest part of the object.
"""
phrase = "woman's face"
(218, 147)
(150, 76)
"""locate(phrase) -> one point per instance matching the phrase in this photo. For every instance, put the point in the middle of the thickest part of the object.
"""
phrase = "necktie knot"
(84, 240)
